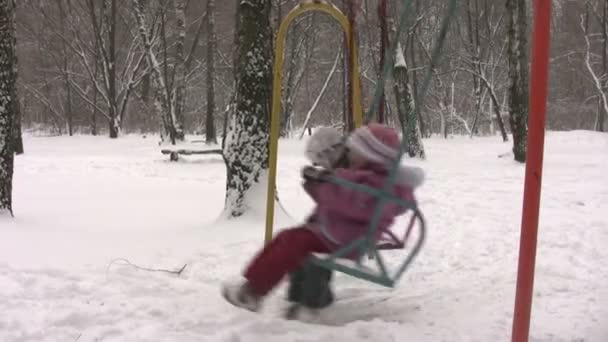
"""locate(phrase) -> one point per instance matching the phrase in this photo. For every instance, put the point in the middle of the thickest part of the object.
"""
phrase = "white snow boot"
(240, 295)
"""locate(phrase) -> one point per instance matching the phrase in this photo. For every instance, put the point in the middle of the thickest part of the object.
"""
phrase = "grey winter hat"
(325, 147)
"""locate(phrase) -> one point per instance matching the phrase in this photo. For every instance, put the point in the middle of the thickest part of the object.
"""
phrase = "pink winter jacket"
(345, 214)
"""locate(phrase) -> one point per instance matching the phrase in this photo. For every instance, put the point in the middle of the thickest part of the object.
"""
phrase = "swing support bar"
(534, 169)
(302, 8)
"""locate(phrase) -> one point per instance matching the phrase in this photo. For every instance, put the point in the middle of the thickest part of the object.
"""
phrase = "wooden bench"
(174, 154)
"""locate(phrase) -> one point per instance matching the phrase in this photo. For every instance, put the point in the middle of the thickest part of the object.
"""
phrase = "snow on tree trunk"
(518, 74)
(210, 133)
(114, 123)
(8, 101)
(246, 143)
(180, 68)
(406, 107)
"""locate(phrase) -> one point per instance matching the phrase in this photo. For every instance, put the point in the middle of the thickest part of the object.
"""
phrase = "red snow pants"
(284, 254)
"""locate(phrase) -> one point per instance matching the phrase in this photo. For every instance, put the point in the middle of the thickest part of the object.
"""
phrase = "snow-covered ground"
(83, 202)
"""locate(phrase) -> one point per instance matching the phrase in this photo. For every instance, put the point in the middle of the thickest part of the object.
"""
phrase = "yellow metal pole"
(275, 116)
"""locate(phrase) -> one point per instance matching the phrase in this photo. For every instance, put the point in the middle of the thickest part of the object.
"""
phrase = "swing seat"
(345, 263)
(388, 241)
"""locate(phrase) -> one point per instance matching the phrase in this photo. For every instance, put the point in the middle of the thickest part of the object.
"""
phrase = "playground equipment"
(539, 72)
(365, 244)
(533, 176)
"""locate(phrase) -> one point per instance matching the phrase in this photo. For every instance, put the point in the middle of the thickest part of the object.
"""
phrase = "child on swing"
(344, 213)
(309, 285)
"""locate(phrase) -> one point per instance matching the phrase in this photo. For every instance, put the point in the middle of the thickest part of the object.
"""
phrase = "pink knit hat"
(375, 142)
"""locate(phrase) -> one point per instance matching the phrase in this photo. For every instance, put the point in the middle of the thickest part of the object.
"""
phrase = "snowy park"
(87, 205)
(303, 171)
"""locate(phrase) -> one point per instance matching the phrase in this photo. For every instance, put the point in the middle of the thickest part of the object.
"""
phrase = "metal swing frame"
(539, 80)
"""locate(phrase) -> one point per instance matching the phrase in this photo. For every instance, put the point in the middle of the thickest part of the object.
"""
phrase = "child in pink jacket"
(340, 216)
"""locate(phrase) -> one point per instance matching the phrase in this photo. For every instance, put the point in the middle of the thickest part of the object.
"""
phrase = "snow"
(82, 202)
(399, 57)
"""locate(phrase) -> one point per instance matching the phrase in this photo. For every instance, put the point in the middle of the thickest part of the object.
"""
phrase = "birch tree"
(170, 68)
(8, 102)
(246, 143)
(164, 103)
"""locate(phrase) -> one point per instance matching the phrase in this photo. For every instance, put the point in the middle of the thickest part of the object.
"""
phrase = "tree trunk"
(383, 46)
(114, 125)
(65, 73)
(496, 108)
(518, 74)
(246, 146)
(179, 85)
(114, 122)
(17, 137)
(94, 107)
(68, 99)
(445, 112)
(423, 130)
(210, 133)
(406, 107)
(473, 32)
(287, 108)
(602, 116)
(351, 14)
(163, 104)
(8, 102)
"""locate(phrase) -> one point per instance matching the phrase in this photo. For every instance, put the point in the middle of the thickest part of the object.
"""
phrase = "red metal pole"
(534, 167)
